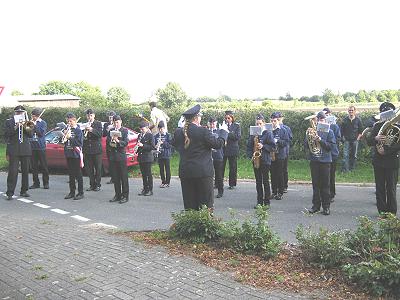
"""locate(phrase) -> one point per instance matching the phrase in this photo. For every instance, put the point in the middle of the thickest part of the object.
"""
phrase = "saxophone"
(391, 131)
(256, 153)
(313, 145)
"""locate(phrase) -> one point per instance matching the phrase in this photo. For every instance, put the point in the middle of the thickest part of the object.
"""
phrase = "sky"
(243, 49)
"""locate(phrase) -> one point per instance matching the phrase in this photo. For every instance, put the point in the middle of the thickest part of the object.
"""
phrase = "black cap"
(36, 111)
(321, 115)
(327, 110)
(70, 115)
(161, 124)
(212, 120)
(19, 108)
(260, 117)
(89, 111)
(191, 112)
(386, 106)
(143, 124)
(276, 115)
(116, 118)
(153, 104)
(229, 112)
(111, 113)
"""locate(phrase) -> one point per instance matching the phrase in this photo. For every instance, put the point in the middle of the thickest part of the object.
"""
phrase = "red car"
(55, 150)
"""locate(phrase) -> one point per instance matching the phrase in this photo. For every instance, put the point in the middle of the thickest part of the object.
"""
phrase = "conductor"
(196, 171)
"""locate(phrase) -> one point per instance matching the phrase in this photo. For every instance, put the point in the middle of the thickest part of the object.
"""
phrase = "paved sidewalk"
(52, 259)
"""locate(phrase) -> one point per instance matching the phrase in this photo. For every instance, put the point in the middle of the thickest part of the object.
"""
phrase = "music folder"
(115, 133)
(323, 127)
(255, 130)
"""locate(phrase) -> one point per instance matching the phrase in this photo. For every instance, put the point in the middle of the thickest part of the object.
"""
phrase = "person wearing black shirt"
(106, 129)
(218, 158)
(164, 149)
(351, 130)
(18, 150)
(231, 150)
(146, 158)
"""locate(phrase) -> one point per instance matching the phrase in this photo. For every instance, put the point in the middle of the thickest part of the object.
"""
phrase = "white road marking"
(80, 218)
(25, 200)
(103, 225)
(60, 211)
(41, 205)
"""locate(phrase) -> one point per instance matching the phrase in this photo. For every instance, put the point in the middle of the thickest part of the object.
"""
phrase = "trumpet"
(85, 134)
(67, 134)
(136, 148)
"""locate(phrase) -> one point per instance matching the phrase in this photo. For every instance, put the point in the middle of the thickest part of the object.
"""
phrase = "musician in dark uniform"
(163, 146)
(106, 129)
(320, 164)
(231, 150)
(194, 144)
(18, 150)
(265, 145)
(218, 160)
(38, 145)
(146, 158)
(118, 165)
(386, 166)
(287, 149)
(73, 141)
(92, 150)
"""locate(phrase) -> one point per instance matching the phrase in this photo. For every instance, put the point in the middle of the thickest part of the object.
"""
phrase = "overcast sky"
(237, 48)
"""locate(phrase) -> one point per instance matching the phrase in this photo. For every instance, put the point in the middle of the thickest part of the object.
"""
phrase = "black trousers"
(385, 184)
(93, 165)
(219, 175)
(197, 192)
(120, 178)
(110, 170)
(262, 184)
(285, 173)
(147, 177)
(232, 169)
(75, 173)
(277, 182)
(332, 178)
(320, 176)
(12, 176)
(165, 170)
(39, 161)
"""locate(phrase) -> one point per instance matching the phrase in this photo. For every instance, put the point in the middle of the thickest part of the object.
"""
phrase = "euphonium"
(313, 144)
(256, 153)
(391, 131)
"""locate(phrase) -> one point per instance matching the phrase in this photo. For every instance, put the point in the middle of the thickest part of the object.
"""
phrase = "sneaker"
(326, 212)
(34, 186)
(24, 194)
(78, 197)
(285, 190)
(166, 185)
(70, 195)
(142, 193)
(231, 187)
(123, 199)
(278, 197)
(162, 185)
(9, 197)
(313, 210)
(148, 193)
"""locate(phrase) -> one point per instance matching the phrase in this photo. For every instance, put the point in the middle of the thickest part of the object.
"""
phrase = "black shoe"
(326, 212)
(285, 190)
(110, 182)
(219, 195)
(34, 186)
(90, 189)
(148, 193)
(46, 186)
(231, 187)
(115, 199)
(9, 197)
(123, 199)
(78, 197)
(273, 195)
(313, 210)
(24, 194)
(96, 189)
(278, 197)
(70, 195)
(142, 193)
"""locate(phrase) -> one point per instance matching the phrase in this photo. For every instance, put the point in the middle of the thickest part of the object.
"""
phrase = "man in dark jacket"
(92, 150)
(218, 158)
(194, 144)
(146, 158)
(231, 150)
(38, 145)
(106, 129)
(164, 150)
(386, 165)
(18, 150)
(351, 130)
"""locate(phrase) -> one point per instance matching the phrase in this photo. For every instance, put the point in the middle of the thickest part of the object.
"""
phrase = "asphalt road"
(148, 213)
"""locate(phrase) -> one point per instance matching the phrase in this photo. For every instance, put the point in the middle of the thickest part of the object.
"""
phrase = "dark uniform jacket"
(350, 129)
(327, 143)
(338, 137)
(290, 134)
(92, 142)
(165, 148)
(390, 158)
(14, 147)
(217, 154)
(145, 153)
(267, 139)
(232, 145)
(282, 141)
(196, 160)
(39, 131)
(73, 146)
(118, 153)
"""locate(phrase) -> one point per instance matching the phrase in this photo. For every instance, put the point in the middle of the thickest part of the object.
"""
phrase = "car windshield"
(53, 137)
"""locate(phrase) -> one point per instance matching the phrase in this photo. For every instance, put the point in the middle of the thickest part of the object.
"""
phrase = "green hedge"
(245, 116)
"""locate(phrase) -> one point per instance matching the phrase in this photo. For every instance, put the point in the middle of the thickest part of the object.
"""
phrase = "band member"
(106, 129)
(218, 158)
(194, 144)
(320, 163)
(386, 165)
(231, 150)
(259, 149)
(92, 150)
(164, 150)
(331, 120)
(156, 116)
(145, 158)
(17, 136)
(73, 142)
(281, 138)
(38, 145)
(118, 165)
(285, 162)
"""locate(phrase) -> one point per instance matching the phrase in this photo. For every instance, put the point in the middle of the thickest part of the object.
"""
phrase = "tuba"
(311, 132)
(256, 153)
(391, 130)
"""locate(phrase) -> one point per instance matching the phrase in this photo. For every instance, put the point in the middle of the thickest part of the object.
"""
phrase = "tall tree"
(56, 87)
(16, 93)
(172, 95)
(91, 96)
(118, 96)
